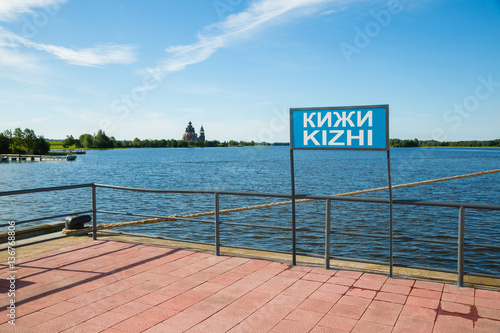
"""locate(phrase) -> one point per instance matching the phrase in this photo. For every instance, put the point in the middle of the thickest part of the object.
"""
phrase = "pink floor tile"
(157, 313)
(132, 308)
(355, 301)
(185, 320)
(488, 294)
(483, 325)
(423, 302)
(453, 289)
(488, 303)
(456, 298)
(401, 282)
(108, 319)
(316, 277)
(155, 289)
(371, 327)
(349, 274)
(334, 288)
(368, 284)
(34, 319)
(396, 289)
(135, 324)
(341, 281)
(338, 323)
(256, 323)
(419, 312)
(361, 293)
(488, 313)
(306, 316)
(86, 327)
(462, 310)
(380, 317)
(290, 326)
(347, 311)
(325, 296)
(453, 324)
(406, 324)
(212, 325)
(426, 293)
(61, 308)
(389, 297)
(57, 324)
(429, 285)
(316, 305)
(275, 310)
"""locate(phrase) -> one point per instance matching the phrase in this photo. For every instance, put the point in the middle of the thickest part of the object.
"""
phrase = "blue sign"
(363, 127)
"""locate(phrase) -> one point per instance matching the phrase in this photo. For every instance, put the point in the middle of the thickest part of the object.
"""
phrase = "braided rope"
(274, 204)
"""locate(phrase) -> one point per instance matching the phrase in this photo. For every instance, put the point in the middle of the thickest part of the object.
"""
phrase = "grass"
(58, 145)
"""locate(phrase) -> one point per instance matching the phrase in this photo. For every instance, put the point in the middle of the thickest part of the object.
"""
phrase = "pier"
(98, 279)
(127, 285)
(35, 158)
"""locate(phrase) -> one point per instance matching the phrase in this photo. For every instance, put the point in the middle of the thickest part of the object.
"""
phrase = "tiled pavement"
(109, 286)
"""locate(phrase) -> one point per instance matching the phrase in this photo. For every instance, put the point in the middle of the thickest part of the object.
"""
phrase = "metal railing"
(461, 207)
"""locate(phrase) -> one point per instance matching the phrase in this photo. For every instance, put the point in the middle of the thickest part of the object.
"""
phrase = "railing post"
(94, 213)
(217, 226)
(327, 233)
(460, 259)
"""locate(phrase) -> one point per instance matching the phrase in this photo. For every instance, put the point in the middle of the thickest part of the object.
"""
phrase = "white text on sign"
(338, 136)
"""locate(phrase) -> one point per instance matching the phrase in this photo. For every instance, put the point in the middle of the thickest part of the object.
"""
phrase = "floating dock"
(35, 158)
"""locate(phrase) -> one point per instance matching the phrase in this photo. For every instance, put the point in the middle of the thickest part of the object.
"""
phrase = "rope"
(274, 204)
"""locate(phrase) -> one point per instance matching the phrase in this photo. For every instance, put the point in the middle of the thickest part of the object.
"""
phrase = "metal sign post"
(340, 128)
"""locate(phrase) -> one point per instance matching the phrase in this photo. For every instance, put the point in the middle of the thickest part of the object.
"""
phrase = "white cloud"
(13, 59)
(95, 56)
(12, 9)
(99, 55)
(234, 27)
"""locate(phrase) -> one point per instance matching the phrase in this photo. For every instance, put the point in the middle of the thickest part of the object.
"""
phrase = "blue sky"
(145, 68)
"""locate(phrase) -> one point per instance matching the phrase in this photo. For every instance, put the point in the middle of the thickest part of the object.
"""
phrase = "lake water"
(267, 169)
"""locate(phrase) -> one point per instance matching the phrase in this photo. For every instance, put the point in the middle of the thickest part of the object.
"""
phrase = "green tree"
(29, 140)
(41, 146)
(4, 144)
(69, 141)
(18, 141)
(8, 136)
(101, 140)
(86, 140)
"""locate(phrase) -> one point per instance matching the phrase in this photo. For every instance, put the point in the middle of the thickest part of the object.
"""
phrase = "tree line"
(27, 142)
(434, 143)
(101, 140)
(23, 142)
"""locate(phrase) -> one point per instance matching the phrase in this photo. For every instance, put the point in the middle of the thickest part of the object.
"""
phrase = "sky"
(146, 68)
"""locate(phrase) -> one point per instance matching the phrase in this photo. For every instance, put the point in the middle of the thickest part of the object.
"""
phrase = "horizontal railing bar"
(44, 189)
(256, 226)
(153, 216)
(424, 240)
(151, 236)
(265, 194)
(481, 275)
(360, 260)
(482, 245)
(48, 218)
(428, 268)
(186, 191)
(358, 234)
(48, 239)
(265, 226)
(306, 196)
(255, 249)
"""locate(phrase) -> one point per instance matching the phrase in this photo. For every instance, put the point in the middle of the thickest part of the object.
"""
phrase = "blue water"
(268, 170)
